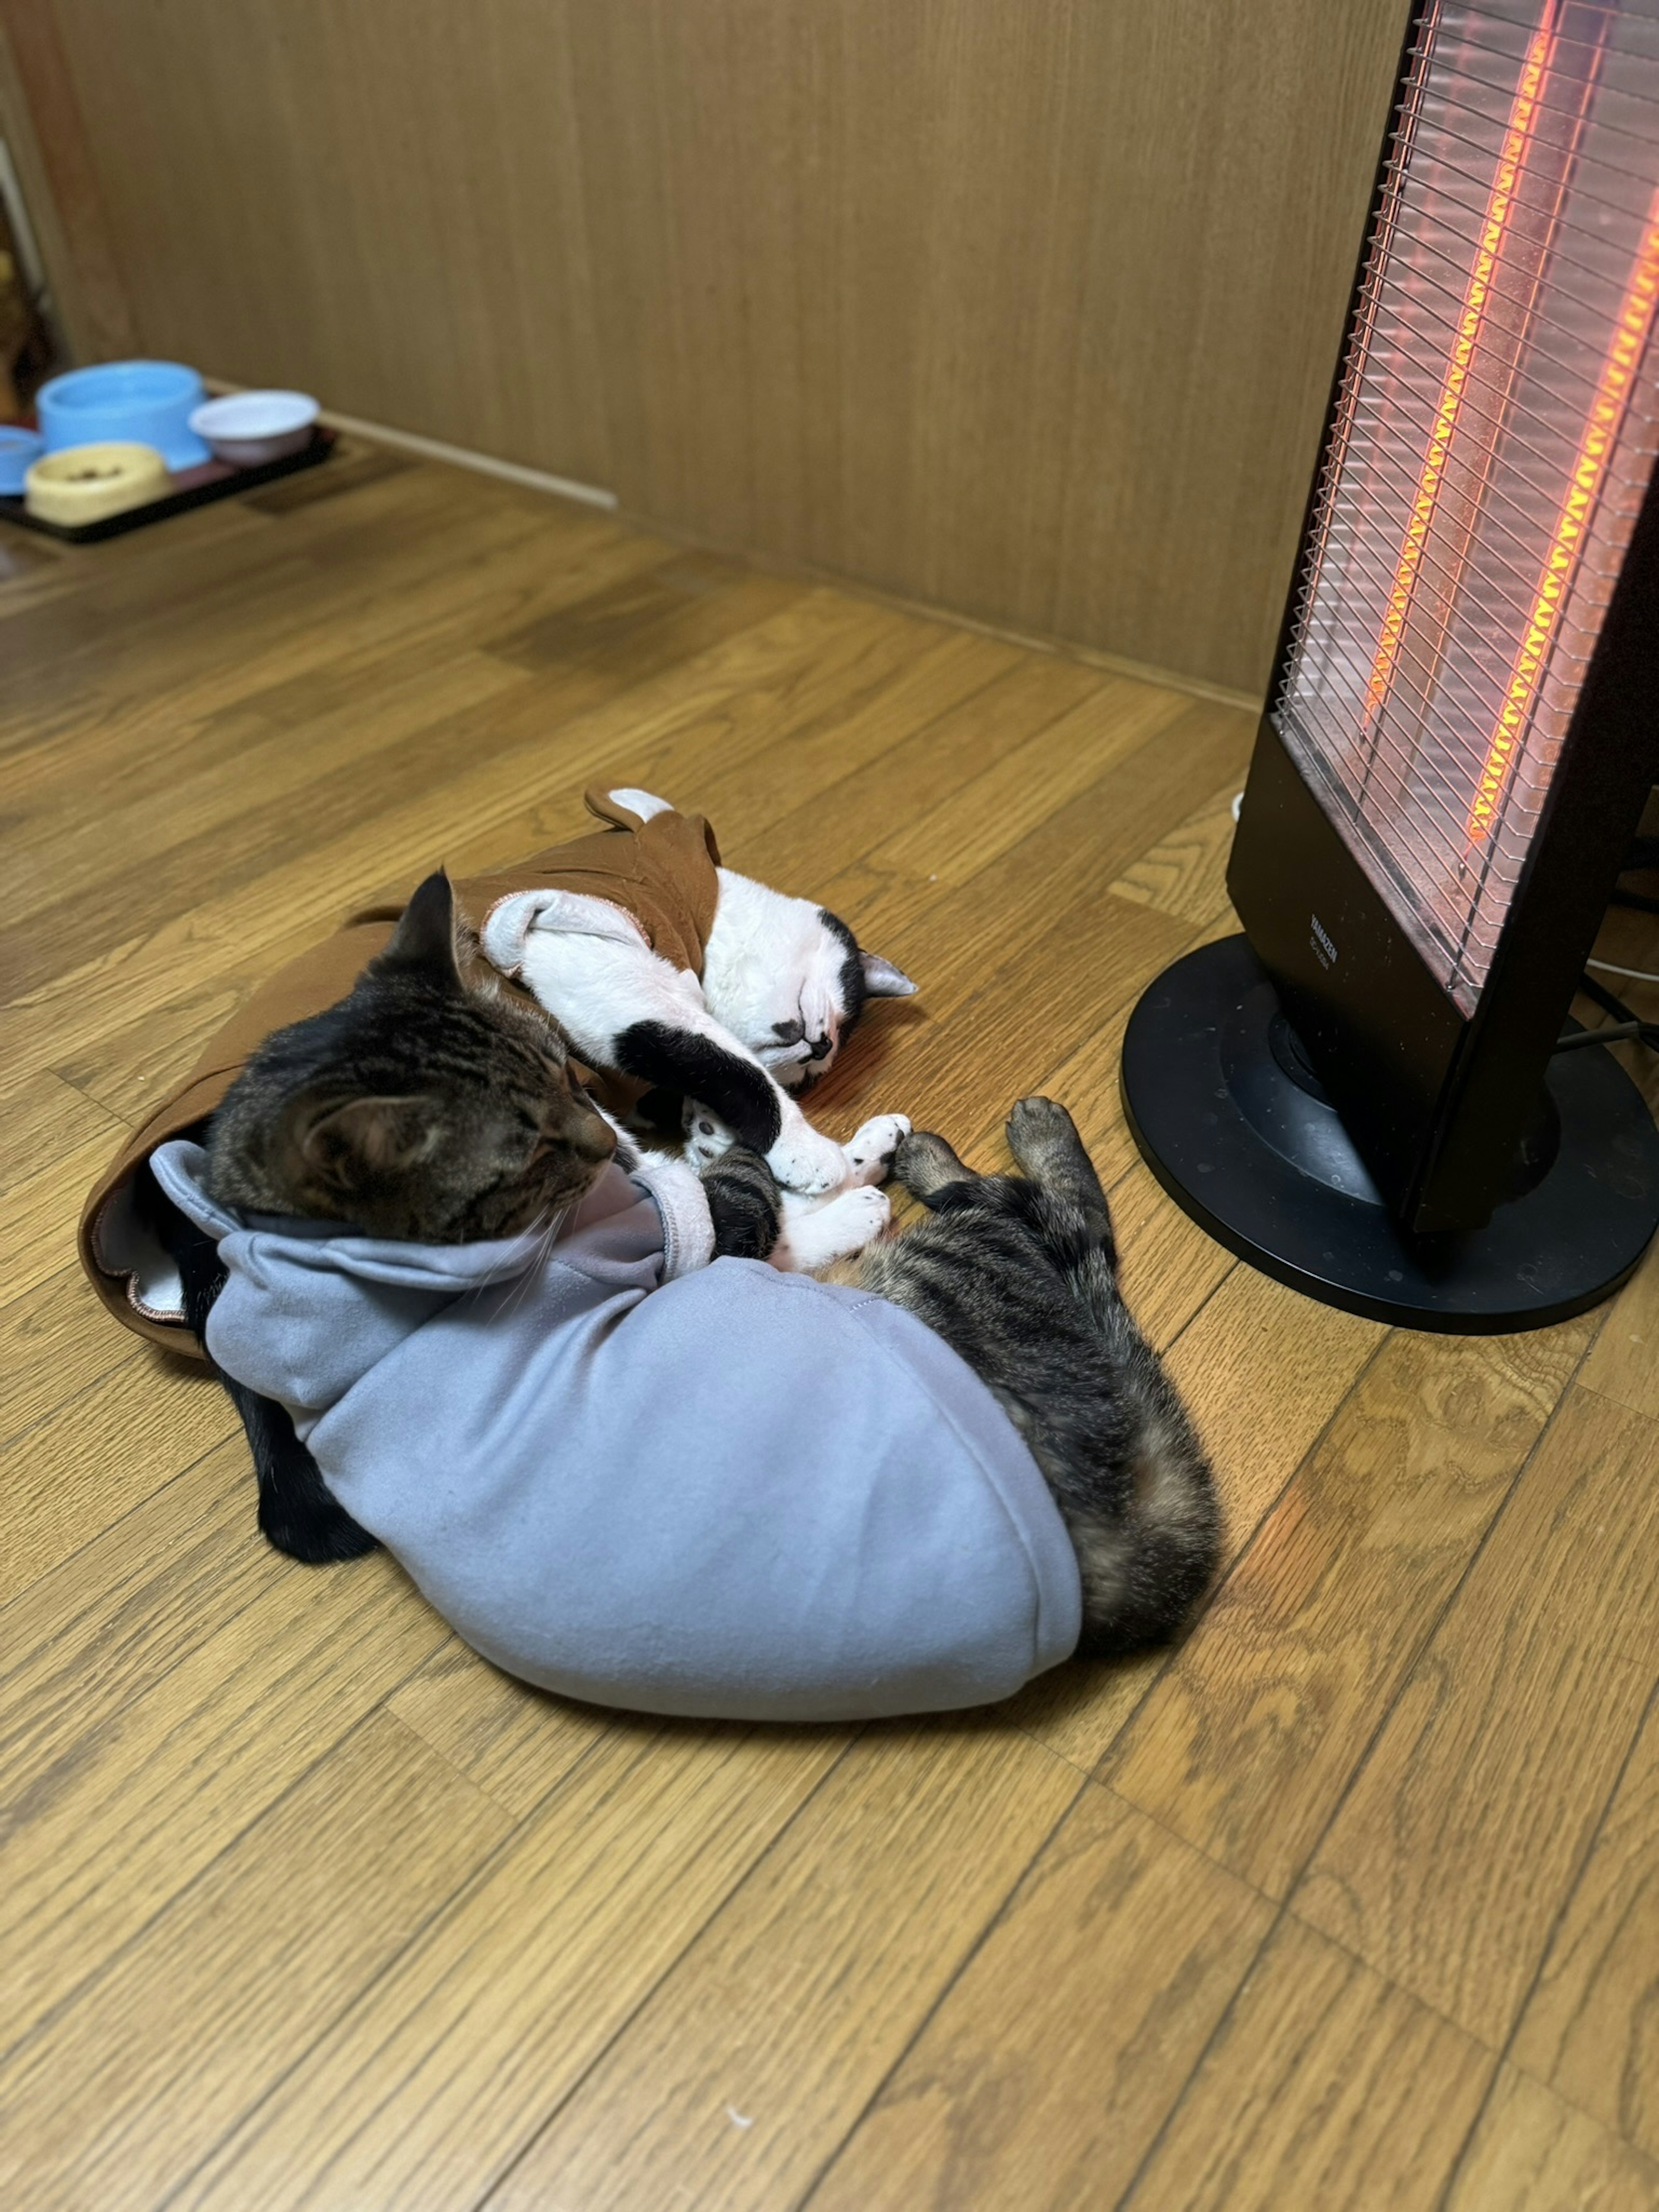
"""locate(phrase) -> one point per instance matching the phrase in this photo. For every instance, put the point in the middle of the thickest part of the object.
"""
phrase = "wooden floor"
(1354, 1901)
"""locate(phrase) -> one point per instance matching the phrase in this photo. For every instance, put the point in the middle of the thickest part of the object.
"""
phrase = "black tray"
(196, 488)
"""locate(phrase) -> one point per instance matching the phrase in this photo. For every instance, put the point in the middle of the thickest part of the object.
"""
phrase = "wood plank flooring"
(1353, 1900)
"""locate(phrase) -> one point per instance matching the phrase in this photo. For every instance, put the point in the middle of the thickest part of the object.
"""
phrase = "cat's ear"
(883, 981)
(423, 942)
(358, 1143)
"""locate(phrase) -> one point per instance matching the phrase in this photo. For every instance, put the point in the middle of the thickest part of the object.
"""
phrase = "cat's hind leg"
(753, 1219)
(870, 1149)
(298, 1512)
(815, 1231)
(928, 1169)
(1047, 1148)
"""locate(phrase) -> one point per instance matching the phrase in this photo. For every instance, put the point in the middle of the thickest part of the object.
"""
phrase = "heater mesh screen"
(1496, 426)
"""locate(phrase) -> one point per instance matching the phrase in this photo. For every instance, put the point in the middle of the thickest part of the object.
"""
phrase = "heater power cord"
(1643, 853)
(1626, 1026)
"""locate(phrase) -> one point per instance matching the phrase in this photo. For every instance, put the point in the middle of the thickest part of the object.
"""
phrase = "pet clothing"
(738, 1494)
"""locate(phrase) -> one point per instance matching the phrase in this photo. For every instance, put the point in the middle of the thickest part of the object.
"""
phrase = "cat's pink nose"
(595, 1139)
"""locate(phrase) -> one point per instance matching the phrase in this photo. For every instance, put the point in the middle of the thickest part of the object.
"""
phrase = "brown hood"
(661, 871)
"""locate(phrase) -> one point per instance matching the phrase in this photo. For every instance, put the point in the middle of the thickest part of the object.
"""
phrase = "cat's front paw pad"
(870, 1149)
(804, 1160)
(707, 1136)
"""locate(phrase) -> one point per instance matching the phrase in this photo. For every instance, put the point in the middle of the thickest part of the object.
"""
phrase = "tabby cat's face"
(421, 1108)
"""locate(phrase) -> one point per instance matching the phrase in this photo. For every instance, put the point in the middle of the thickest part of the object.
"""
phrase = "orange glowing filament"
(1524, 111)
(1601, 426)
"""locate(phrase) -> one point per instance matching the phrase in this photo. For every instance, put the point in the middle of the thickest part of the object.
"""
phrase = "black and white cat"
(783, 982)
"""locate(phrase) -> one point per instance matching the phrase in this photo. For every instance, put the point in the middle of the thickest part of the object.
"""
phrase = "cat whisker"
(524, 1283)
(782, 1055)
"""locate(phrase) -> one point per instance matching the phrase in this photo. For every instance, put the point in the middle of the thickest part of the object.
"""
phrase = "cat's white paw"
(870, 1149)
(706, 1135)
(813, 1235)
(805, 1160)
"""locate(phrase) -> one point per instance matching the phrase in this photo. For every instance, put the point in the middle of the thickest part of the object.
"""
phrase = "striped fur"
(1018, 1275)
(744, 1204)
(424, 1105)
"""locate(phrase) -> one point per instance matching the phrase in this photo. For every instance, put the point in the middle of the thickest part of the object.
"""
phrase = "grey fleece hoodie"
(736, 1494)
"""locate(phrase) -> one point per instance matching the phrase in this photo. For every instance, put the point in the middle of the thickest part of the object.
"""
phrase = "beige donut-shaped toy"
(83, 483)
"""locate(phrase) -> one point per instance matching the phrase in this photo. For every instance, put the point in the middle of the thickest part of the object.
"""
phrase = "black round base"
(1234, 1126)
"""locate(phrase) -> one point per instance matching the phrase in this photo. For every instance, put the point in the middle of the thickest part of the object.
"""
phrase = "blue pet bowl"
(149, 403)
(17, 449)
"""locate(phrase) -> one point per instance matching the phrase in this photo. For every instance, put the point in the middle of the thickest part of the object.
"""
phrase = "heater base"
(1236, 1128)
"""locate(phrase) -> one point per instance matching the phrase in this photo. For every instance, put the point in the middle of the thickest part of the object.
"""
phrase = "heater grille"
(1496, 425)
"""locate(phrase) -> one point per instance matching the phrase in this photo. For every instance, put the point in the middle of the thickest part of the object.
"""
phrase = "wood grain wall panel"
(379, 201)
(1030, 312)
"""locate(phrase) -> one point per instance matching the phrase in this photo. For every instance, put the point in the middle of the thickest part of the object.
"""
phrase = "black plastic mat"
(198, 488)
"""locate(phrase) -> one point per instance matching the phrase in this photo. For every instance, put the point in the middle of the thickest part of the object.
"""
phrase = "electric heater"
(1363, 1093)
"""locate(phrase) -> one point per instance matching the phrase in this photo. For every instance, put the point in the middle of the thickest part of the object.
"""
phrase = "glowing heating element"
(1501, 202)
(1631, 331)
(1495, 430)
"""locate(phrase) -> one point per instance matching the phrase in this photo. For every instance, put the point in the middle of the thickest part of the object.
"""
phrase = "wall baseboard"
(457, 457)
(462, 457)
(1063, 648)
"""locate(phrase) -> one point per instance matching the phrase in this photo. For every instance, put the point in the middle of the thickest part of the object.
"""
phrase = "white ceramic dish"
(248, 428)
